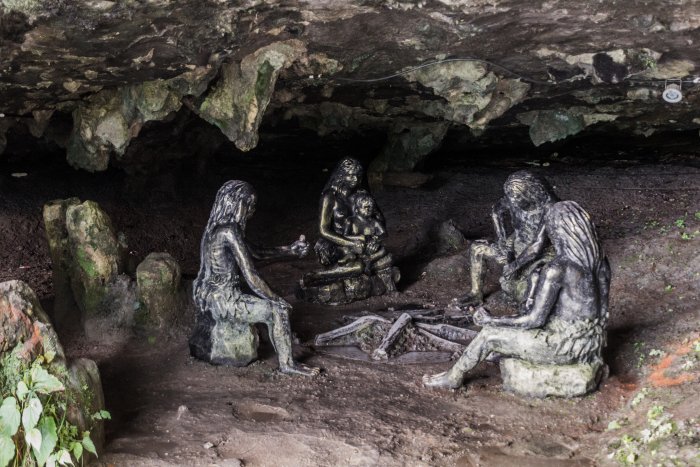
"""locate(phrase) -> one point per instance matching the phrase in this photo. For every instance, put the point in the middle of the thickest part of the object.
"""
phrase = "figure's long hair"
(232, 205)
(534, 188)
(344, 167)
(577, 235)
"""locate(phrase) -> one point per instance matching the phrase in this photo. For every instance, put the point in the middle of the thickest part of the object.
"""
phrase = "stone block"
(543, 380)
(158, 290)
(224, 343)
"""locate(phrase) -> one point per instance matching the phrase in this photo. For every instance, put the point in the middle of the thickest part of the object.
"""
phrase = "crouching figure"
(554, 346)
(223, 333)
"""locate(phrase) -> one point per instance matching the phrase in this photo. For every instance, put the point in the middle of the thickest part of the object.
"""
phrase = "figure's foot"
(300, 369)
(442, 380)
(469, 300)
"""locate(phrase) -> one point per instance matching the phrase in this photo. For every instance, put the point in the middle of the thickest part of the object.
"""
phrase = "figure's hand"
(358, 244)
(509, 271)
(482, 317)
(301, 247)
(373, 246)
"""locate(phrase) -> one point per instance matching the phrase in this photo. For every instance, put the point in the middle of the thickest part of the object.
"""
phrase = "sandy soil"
(169, 409)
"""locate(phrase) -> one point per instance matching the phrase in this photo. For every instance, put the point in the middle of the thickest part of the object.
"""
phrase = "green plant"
(680, 223)
(33, 426)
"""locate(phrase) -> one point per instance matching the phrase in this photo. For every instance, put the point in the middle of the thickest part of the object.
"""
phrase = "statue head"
(363, 204)
(527, 190)
(346, 176)
(573, 234)
(235, 202)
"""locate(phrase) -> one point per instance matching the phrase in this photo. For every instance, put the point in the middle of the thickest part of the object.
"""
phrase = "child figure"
(364, 223)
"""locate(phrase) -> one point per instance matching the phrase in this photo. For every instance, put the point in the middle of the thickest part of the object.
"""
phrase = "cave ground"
(170, 409)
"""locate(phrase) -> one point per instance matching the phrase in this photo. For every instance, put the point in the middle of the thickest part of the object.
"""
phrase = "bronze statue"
(562, 321)
(223, 332)
(527, 198)
(351, 228)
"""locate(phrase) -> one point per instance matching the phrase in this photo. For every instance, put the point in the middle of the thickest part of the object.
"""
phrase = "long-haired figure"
(336, 242)
(526, 200)
(223, 334)
(564, 317)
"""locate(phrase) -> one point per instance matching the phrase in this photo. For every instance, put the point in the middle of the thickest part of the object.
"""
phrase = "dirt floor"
(170, 409)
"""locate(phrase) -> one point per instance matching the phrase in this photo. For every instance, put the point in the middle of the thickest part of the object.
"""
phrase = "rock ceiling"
(414, 69)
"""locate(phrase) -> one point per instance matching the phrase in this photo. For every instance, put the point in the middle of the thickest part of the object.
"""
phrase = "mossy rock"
(158, 289)
(25, 334)
(540, 380)
(223, 342)
(95, 256)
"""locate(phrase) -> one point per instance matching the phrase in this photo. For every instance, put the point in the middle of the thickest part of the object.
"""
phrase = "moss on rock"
(158, 290)
(238, 101)
(95, 256)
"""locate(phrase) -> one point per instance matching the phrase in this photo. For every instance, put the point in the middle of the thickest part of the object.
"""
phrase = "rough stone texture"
(224, 342)
(65, 309)
(533, 380)
(158, 289)
(95, 256)
(407, 146)
(26, 333)
(448, 238)
(238, 101)
(343, 66)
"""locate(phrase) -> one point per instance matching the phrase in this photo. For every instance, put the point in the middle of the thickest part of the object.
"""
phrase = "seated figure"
(346, 252)
(223, 333)
(526, 200)
(364, 223)
(563, 320)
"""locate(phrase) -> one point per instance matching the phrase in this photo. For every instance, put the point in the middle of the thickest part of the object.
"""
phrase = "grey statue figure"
(564, 317)
(226, 258)
(351, 226)
(527, 198)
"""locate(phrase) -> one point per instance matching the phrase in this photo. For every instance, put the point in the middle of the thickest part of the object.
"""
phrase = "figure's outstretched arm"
(532, 252)
(498, 212)
(298, 249)
(257, 285)
(546, 294)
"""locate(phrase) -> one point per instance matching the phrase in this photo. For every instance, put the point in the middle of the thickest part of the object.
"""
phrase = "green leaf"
(49, 356)
(9, 417)
(47, 426)
(77, 449)
(88, 444)
(44, 382)
(22, 390)
(51, 461)
(64, 457)
(7, 450)
(102, 415)
(33, 438)
(31, 414)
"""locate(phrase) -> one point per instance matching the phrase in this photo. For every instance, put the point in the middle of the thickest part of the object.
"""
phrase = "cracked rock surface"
(559, 67)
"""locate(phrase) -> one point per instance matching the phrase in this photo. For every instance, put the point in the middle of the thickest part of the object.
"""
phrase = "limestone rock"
(158, 289)
(25, 334)
(54, 213)
(95, 256)
(224, 342)
(238, 101)
(448, 238)
(539, 380)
